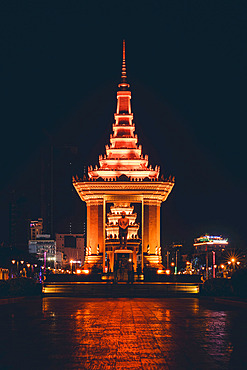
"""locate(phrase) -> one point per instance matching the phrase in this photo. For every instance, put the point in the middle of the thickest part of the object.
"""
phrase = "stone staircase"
(120, 290)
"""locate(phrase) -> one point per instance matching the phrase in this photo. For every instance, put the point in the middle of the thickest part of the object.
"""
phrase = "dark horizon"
(186, 67)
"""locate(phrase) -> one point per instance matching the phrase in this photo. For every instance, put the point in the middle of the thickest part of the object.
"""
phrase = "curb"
(10, 300)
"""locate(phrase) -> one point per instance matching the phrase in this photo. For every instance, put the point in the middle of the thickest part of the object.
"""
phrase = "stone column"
(95, 229)
(103, 227)
(151, 232)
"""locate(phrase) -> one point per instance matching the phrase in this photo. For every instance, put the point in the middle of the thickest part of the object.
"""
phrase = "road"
(79, 333)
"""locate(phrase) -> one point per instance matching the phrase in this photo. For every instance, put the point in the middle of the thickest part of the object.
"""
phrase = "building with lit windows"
(122, 179)
(209, 249)
(71, 247)
(208, 243)
(36, 228)
(43, 244)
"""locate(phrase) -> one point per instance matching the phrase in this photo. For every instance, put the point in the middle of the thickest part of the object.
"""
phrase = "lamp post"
(176, 247)
(22, 262)
(13, 262)
(17, 266)
(213, 253)
(28, 269)
(229, 265)
(45, 264)
(167, 260)
(176, 266)
(173, 268)
(207, 265)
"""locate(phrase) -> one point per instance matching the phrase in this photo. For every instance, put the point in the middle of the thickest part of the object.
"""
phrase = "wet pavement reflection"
(77, 333)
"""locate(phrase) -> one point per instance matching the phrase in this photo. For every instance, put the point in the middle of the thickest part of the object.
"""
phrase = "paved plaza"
(77, 333)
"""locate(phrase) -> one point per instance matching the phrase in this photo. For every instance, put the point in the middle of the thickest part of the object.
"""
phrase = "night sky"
(186, 64)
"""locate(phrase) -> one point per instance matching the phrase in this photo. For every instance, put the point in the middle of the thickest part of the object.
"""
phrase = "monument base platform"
(120, 290)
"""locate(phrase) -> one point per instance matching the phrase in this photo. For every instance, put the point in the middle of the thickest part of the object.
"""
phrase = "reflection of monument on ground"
(122, 179)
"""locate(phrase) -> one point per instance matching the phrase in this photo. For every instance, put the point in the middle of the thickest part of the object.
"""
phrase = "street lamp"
(213, 254)
(233, 263)
(17, 266)
(177, 248)
(13, 262)
(28, 268)
(22, 262)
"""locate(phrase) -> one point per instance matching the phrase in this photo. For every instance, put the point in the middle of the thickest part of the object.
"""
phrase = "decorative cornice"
(126, 191)
(115, 185)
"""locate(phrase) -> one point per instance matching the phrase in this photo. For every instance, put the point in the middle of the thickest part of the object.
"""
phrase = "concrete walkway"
(77, 333)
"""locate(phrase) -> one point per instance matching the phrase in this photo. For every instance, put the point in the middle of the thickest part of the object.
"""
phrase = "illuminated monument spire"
(122, 179)
(124, 154)
(124, 85)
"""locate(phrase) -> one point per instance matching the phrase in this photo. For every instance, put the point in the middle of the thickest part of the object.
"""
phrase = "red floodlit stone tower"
(122, 178)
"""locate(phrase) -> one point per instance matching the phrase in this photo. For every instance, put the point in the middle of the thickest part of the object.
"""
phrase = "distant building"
(36, 228)
(71, 246)
(208, 243)
(42, 244)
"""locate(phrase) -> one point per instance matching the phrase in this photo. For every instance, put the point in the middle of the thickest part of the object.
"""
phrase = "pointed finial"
(123, 50)
(123, 85)
(124, 75)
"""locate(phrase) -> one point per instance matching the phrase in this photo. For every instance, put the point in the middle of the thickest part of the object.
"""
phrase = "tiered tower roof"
(124, 155)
